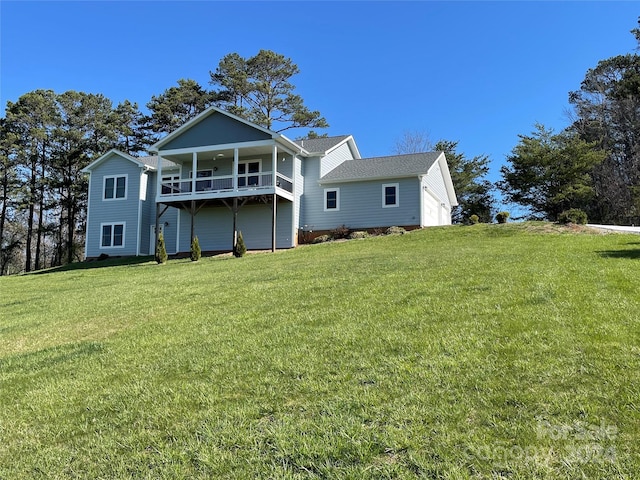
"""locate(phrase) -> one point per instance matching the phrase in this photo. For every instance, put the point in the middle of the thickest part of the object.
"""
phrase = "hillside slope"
(455, 352)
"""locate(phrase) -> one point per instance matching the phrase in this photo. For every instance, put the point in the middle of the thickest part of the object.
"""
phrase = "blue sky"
(477, 72)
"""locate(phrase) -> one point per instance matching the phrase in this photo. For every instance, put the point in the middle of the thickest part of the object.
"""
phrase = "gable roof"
(155, 148)
(324, 145)
(152, 162)
(107, 155)
(393, 166)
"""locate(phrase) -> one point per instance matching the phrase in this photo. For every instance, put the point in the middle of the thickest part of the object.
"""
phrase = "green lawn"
(492, 351)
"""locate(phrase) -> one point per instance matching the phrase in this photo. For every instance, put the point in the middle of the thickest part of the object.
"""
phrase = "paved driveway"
(616, 228)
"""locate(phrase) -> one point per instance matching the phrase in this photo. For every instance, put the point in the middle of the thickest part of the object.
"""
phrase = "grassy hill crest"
(452, 352)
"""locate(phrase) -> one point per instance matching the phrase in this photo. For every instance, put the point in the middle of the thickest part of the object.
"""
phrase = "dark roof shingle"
(383, 167)
(317, 145)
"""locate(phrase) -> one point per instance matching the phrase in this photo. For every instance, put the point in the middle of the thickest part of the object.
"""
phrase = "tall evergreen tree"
(550, 173)
(177, 105)
(259, 89)
(31, 121)
(474, 191)
(607, 110)
(133, 133)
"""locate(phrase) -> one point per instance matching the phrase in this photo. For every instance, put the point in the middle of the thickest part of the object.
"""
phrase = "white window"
(112, 235)
(249, 173)
(170, 184)
(390, 195)
(115, 187)
(203, 185)
(331, 199)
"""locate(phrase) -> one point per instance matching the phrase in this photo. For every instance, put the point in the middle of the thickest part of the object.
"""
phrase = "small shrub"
(196, 253)
(377, 231)
(103, 256)
(573, 215)
(358, 234)
(340, 232)
(474, 219)
(502, 217)
(322, 239)
(241, 248)
(396, 231)
(161, 250)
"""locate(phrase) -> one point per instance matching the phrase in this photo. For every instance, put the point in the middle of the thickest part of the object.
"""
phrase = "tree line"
(47, 138)
(593, 164)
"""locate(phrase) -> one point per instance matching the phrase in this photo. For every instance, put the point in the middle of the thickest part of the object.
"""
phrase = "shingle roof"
(315, 145)
(153, 162)
(383, 167)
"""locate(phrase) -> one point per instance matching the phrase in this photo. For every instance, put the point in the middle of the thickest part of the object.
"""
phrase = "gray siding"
(214, 227)
(113, 211)
(225, 166)
(335, 158)
(361, 205)
(312, 193)
(216, 129)
(170, 216)
(298, 180)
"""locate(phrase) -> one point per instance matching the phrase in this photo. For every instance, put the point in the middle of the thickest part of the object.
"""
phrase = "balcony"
(221, 186)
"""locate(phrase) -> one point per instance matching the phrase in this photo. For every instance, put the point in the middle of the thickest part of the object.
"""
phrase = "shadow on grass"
(109, 262)
(633, 254)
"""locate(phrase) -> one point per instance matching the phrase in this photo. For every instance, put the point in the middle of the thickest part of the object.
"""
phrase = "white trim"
(384, 195)
(179, 216)
(152, 237)
(246, 175)
(155, 148)
(115, 187)
(113, 151)
(202, 116)
(86, 232)
(216, 148)
(140, 202)
(294, 221)
(124, 238)
(421, 185)
(337, 190)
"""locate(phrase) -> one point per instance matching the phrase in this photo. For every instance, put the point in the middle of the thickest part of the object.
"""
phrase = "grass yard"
(491, 351)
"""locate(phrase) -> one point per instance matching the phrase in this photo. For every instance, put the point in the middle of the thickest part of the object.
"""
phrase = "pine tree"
(196, 253)
(241, 248)
(161, 250)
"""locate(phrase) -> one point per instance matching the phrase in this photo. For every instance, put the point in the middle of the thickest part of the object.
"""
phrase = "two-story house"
(219, 174)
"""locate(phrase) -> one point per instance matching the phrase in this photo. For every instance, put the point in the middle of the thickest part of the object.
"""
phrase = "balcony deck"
(222, 186)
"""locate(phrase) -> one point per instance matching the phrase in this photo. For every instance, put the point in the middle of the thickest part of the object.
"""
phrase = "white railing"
(214, 184)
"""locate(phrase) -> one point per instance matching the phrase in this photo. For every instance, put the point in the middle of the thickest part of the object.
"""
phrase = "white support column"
(194, 173)
(295, 218)
(274, 165)
(235, 168)
(159, 179)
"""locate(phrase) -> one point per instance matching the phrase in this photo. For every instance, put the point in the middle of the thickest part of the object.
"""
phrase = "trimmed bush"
(161, 251)
(322, 239)
(573, 215)
(358, 234)
(340, 232)
(196, 253)
(395, 231)
(474, 219)
(502, 217)
(241, 248)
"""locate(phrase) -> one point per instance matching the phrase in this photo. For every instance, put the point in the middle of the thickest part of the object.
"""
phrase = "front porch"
(226, 171)
(265, 220)
(225, 186)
